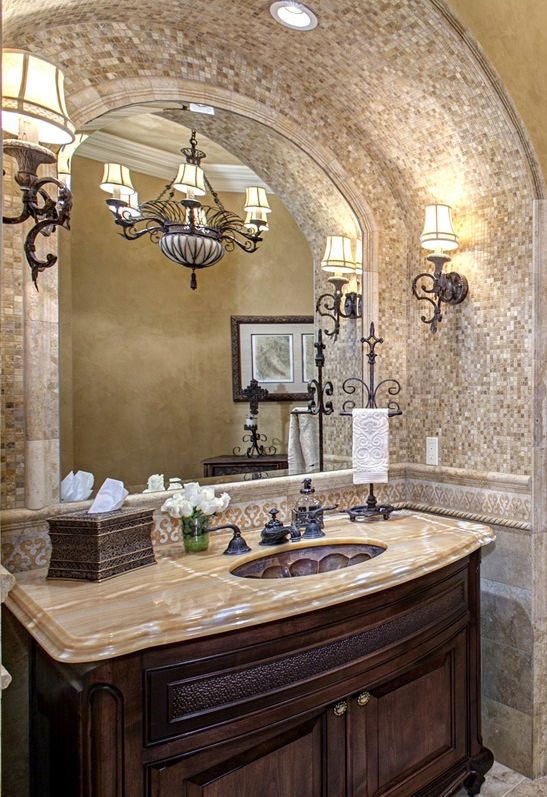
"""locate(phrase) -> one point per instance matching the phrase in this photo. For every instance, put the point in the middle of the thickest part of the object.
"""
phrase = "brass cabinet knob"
(340, 708)
(363, 698)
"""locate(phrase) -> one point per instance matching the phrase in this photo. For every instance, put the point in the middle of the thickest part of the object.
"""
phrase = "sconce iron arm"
(48, 213)
(337, 305)
(449, 288)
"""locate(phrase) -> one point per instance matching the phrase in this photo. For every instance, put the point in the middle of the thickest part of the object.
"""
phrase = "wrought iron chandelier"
(189, 233)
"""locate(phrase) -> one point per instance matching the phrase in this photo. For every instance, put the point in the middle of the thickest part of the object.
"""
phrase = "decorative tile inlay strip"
(489, 519)
(26, 545)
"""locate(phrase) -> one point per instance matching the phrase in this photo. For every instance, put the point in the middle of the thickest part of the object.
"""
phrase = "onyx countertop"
(187, 596)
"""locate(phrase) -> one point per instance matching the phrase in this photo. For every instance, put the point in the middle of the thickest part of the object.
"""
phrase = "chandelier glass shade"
(190, 179)
(189, 233)
(256, 201)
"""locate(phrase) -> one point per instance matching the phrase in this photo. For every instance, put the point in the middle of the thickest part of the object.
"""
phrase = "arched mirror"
(154, 375)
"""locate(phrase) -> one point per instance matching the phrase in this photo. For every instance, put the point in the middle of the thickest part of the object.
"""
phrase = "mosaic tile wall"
(416, 120)
(12, 439)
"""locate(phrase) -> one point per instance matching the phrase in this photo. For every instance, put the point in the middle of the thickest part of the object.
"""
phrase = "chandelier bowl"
(191, 249)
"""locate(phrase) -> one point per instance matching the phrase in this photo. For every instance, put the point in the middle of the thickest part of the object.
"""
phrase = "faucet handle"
(237, 544)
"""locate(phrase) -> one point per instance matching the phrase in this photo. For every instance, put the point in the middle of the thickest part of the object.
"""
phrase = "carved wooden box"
(95, 547)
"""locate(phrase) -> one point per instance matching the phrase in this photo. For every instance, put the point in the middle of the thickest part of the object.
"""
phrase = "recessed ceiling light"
(198, 107)
(293, 15)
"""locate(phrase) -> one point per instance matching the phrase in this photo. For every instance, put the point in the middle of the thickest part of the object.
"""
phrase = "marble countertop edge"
(185, 597)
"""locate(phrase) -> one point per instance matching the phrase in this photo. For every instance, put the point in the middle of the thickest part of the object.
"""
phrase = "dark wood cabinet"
(377, 697)
(231, 464)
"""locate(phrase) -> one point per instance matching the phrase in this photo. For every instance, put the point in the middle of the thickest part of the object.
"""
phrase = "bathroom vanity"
(185, 679)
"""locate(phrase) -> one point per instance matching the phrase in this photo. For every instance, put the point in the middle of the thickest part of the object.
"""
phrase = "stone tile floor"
(503, 782)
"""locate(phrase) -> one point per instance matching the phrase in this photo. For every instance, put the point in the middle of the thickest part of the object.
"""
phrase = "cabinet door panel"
(413, 727)
(293, 763)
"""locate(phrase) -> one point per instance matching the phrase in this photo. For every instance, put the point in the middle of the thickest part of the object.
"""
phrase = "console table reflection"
(229, 464)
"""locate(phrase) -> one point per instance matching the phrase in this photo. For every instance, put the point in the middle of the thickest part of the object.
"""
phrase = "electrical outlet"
(431, 450)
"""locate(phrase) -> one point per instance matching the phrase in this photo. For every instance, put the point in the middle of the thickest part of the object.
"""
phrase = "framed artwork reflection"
(277, 351)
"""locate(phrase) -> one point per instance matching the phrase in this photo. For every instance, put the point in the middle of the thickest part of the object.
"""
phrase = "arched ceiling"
(389, 88)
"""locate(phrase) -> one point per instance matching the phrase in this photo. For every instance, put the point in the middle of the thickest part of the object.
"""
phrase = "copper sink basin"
(308, 561)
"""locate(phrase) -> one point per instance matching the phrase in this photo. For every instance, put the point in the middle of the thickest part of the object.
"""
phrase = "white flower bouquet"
(194, 506)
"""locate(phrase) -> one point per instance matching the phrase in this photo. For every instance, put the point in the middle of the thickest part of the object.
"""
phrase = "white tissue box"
(95, 547)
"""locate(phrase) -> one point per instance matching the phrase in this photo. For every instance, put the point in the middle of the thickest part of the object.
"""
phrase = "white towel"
(303, 448)
(370, 446)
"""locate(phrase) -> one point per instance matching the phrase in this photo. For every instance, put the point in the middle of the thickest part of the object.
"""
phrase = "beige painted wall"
(513, 35)
(145, 361)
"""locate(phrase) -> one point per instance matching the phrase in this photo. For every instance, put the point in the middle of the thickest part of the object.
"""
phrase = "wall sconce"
(64, 159)
(339, 261)
(33, 108)
(439, 237)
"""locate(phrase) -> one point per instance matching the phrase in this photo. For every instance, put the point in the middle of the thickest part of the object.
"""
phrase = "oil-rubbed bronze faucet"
(275, 533)
(237, 544)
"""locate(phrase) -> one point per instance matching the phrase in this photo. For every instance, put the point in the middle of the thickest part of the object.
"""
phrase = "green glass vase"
(194, 536)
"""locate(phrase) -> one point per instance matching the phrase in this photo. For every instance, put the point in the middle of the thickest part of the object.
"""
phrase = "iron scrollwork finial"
(370, 390)
(255, 393)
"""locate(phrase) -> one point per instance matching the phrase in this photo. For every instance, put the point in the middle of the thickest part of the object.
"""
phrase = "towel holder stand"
(370, 392)
(320, 404)
(318, 391)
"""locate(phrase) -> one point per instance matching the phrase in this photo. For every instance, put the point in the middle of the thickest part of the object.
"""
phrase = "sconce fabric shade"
(252, 218)
(190, 179)
(438, 232)
(338, 256)
(64, 158)
(33, 90)
(117, 178)
(256, 200)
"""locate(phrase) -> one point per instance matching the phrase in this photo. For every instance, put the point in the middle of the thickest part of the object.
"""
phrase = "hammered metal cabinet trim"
(177, 704)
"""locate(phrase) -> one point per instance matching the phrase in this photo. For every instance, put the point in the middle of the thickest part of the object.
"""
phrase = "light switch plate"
(431, 450)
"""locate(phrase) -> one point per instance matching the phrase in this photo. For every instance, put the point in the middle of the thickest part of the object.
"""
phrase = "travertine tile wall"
(508, 649)
(539, 537)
